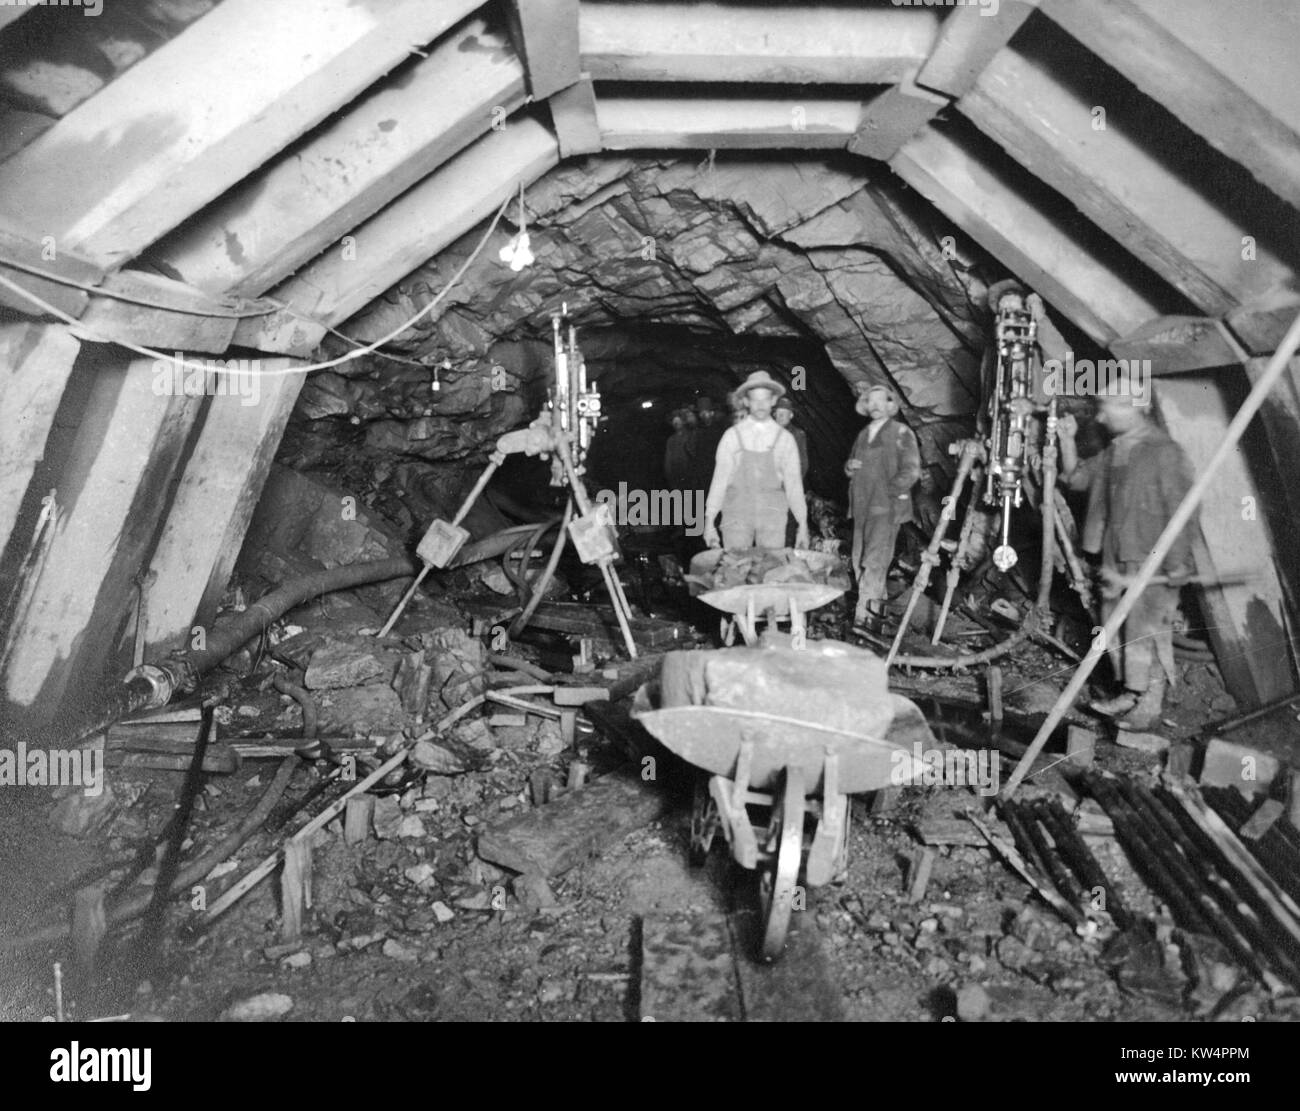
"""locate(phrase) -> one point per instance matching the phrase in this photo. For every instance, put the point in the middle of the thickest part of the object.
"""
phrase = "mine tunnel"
(501, 500)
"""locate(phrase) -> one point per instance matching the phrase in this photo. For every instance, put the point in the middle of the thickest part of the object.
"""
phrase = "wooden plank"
(597, 622)
(214, 503)
(155, 162)
(286, 213)
(968, 40)
(1118, 178)
(892, 118)
(688, 970)
(44, 255)
(35, 362)
(416, 226)
(1262, 323)
(546, 37)
(716, 123)
(800, 987)
(553, 838)
(1245, 622)
(997, 210)
(8, 15)
(784, 43)
(113, 489)
(573, 112)
(1176, 344)
(1227, 77)
(1280, 416)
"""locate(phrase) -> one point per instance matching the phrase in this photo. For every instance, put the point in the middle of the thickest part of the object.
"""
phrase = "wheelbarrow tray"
(699, 578)
(771, 596)
(709, 737)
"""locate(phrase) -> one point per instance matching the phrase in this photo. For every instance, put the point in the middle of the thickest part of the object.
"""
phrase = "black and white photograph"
(651, 511)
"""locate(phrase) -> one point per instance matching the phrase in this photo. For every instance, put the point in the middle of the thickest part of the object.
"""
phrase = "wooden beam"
(35, 362)
(1261, 323)
(1116, 177)
(112, 490)
(1245, 621)
(128, 165)
(44, 256)
(546, 36)
(780, 44)
(573, 112)
(1224, 71)
(995, 209)
(716, 123)
(1280, 416)
(173, 317)
(8, 15)
(215, 499)
(968, 40)
(289, 211)
(893, 117)
(419, 224)
(1177, 344)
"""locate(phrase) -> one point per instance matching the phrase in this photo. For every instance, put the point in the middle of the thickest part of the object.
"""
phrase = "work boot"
(1112, 707)
(1147, 711)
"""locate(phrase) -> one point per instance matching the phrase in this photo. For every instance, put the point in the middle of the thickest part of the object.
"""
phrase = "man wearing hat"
(756, 476)
(783, 414)
(709, 426)
(883, 467)
(1135, 485)
(678, 457)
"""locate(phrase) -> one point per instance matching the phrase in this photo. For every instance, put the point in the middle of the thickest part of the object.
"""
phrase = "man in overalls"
(756, 477)
(884, 466)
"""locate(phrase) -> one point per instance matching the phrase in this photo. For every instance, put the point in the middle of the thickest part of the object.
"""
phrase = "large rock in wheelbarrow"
(793, 707)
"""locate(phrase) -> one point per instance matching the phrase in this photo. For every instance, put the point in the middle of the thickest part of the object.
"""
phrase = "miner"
(883, 467)
(756, 476)
(1134, 487)
(678, 457)
(783, 414)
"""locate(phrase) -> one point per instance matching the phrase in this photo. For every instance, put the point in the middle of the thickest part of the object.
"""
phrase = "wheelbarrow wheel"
(705, 822)
(778, 884)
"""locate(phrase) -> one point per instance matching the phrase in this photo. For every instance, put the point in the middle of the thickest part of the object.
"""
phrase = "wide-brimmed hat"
(705, 402)
(759, 380)
(998, 290)
(864, 387)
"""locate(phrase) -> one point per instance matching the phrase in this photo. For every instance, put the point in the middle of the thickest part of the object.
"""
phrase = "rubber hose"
(533, 539)
(228, 636)
(310, 714)
(548, 573)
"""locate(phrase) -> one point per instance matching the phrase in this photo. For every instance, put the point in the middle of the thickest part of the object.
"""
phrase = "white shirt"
(752, 435)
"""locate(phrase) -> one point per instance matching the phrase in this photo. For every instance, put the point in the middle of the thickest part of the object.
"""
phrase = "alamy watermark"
(656, 508)
(1129, 378)
(987, 7)
(186, 376)
(53, 767)
(979, 769)
(90, 7)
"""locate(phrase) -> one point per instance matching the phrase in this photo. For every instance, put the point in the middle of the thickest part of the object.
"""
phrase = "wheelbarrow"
(778, 788)
(744, 603)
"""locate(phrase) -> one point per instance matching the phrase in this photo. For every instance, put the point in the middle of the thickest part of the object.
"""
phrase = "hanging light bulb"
(437, 382)
(517, 252)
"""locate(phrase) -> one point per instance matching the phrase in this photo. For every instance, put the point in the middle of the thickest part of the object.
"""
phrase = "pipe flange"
(162, 684)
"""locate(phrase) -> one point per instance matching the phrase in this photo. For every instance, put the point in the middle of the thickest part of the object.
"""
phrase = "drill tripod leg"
(930, 557)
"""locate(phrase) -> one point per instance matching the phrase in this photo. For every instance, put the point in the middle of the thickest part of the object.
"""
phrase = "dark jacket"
(1130, 505)
(891, 466)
